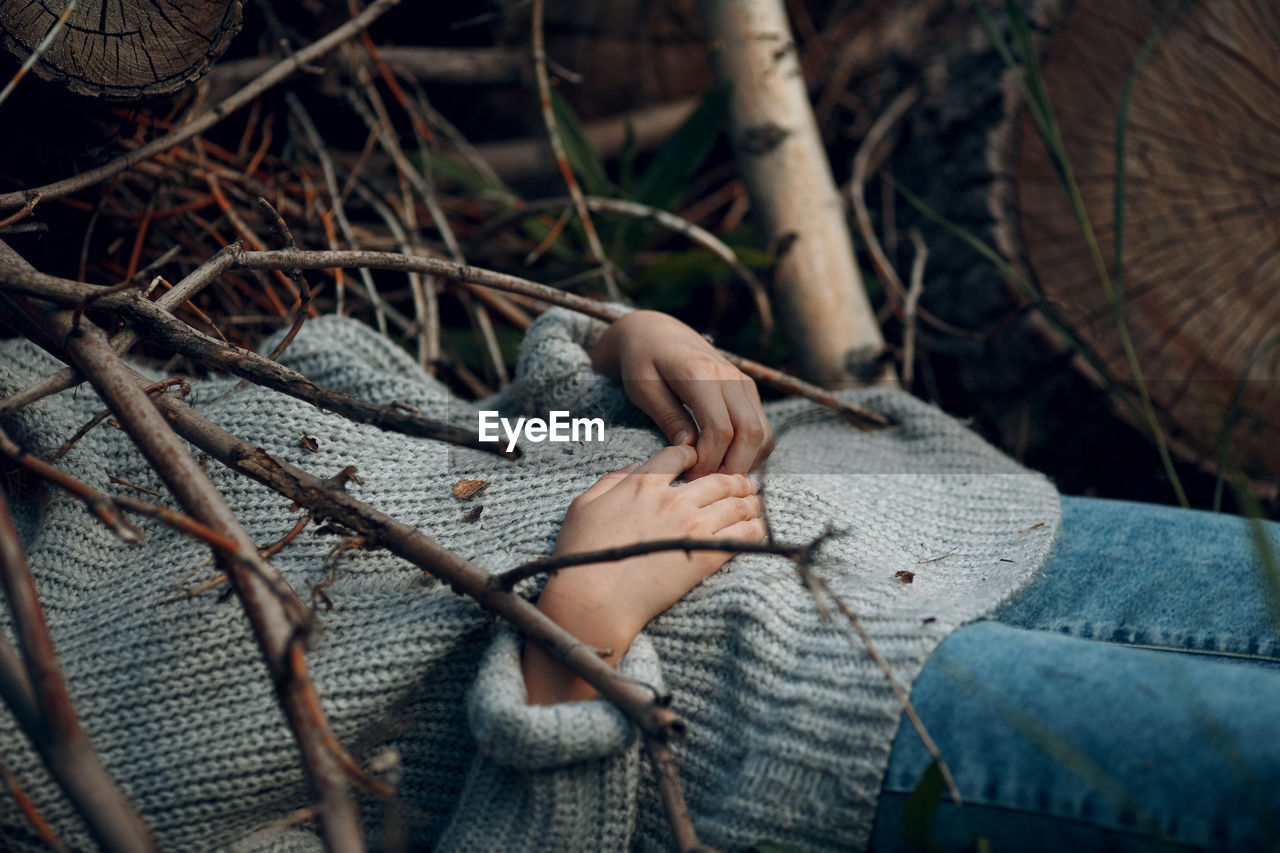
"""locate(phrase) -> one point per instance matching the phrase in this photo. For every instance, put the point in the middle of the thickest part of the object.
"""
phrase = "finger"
(715, 428)
(716, 487)
(607, 482)
(652, 396)
(729, 511)
(750, 427)
(751, 530)
(668, 463)
(768, 445)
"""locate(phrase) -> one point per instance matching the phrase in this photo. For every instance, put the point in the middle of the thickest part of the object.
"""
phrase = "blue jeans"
(1129, 699)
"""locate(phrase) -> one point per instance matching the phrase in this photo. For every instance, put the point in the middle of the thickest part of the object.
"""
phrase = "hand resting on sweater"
(664, 366)
(607, 604)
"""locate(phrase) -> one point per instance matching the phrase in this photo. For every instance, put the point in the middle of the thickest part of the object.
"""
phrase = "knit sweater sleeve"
(554, 777)
(554, 371)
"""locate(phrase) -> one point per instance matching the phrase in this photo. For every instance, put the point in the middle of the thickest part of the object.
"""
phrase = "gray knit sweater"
(790, 721)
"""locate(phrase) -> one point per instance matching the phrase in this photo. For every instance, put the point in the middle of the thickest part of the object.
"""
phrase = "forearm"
(569, 603)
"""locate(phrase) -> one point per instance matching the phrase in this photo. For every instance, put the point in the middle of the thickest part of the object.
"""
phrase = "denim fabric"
(1128, 700)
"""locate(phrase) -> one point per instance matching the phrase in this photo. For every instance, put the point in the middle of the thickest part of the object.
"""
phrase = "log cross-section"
(121, 49)
(1201, 266)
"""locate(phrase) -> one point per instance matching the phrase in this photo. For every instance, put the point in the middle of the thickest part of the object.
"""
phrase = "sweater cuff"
(554, 369)
(513, 733)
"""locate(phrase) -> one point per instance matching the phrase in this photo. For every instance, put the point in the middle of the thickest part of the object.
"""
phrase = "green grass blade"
(1233, 414)
(1027, 289)
(582, 157)
(1034, 91)
(1122, 126)
(680, 158)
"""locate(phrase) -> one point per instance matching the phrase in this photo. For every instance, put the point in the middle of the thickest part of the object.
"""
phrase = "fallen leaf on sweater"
(465, 490)
(472, 515)
(1031, 528)
(905, 576)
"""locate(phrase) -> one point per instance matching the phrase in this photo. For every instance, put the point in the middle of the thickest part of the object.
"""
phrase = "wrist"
(591, 611)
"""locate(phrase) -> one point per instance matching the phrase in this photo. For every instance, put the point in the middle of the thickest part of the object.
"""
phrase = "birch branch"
(779, 151)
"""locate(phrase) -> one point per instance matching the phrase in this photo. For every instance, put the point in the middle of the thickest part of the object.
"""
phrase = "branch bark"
(279, 72)
(780, 154)
(70, 293)
(278, 627)
(111, 819)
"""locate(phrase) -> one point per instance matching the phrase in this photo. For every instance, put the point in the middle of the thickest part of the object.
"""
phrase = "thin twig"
(379, 122)
(678, 224)
(44, 45)
(278, 72)
(673, 802)
(909, 308)
(285, 238)
(29, 810)
(336, 210)
(857, 190)
(276, 626)
(426, 306)
(511, 577)
(557, 147)
(110, 818)
(898, 690)
(106, 413)
(33, 198)
(167, 331)
(102, 507)
(68, 377)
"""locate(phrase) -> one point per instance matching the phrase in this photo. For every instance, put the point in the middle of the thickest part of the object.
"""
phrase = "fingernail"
(682, 437)
(630, 466)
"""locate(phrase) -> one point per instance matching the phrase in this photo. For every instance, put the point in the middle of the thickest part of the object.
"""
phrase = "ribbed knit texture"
(790, 721)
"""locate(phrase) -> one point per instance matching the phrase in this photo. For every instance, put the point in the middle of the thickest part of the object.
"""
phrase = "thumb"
(652, 396)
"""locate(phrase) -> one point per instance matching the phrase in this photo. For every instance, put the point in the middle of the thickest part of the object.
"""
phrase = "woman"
(790, 722)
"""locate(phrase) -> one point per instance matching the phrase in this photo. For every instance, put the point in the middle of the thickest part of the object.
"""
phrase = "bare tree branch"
(279, 72)
(102, 507)
(511, 577)
(110, 817)
(557, 147)
(279, 628)
(68, 292)
(680, 225)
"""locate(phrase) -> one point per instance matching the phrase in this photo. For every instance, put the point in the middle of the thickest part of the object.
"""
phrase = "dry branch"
(557, 147)
(784, 165)
(278, 627)
(48, 715)
(511, 577)
(198, 125)
(678, 224)
(68, 292)
(167, 331)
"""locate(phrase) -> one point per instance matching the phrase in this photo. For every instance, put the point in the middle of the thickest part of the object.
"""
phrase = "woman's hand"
(607, 604)
(664, 366)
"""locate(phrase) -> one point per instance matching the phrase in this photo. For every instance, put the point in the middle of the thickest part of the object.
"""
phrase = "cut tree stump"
(123, 50)
(1201, 266)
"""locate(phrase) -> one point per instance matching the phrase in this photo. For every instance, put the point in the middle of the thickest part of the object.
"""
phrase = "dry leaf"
(472, 515)
(904, 576)
(466, 489)
(308, 442)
